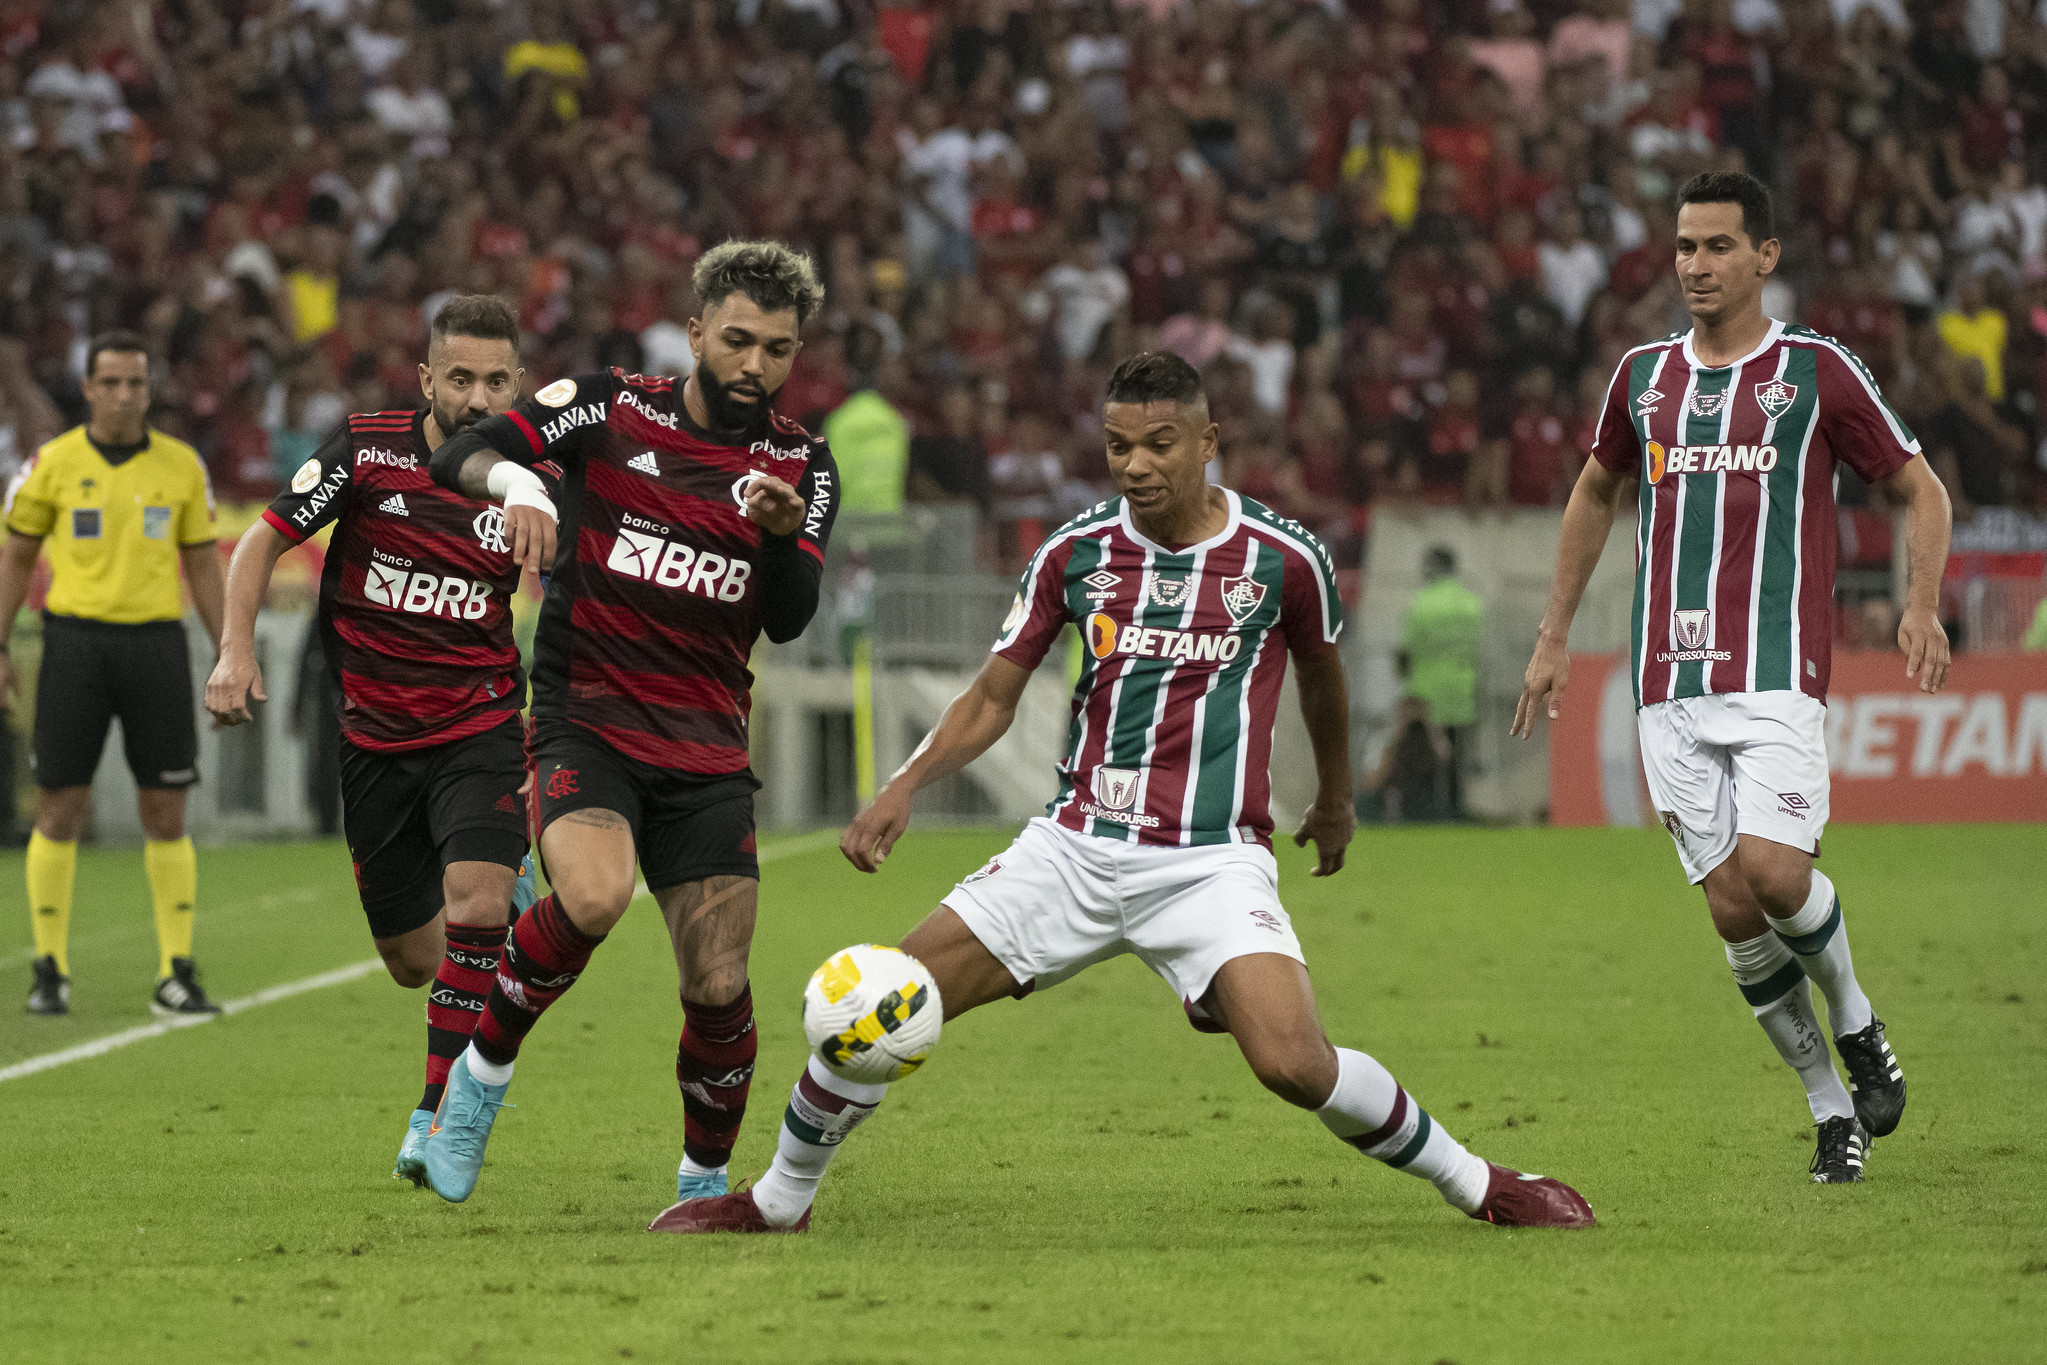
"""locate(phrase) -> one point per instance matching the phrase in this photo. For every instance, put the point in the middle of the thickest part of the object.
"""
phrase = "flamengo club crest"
(1116, 788)
(1242, 596)
(1692, 627)
(1775, 397)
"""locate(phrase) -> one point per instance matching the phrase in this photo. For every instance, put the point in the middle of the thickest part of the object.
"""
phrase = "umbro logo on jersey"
(1101, 585)
(1647, 400)
(1793, 805)
(1707, 404)
(395, 505)
(645, 463)
(1775, 397)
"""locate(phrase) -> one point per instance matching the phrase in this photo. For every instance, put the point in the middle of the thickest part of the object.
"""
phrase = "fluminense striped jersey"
(1734, 559)
(1179, 684)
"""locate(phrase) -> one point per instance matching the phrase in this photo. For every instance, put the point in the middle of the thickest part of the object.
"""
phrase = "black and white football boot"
(1843, 1144)
(1874, 1078)
(51, 991)
(180, 993)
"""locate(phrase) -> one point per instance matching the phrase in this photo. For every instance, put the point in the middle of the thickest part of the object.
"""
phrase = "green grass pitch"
(1075, 1176)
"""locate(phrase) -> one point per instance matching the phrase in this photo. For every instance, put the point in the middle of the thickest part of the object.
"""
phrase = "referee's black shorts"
(93, 671)
(411, 812)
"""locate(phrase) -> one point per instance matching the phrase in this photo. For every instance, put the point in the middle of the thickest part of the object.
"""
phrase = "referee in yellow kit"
(118, 506)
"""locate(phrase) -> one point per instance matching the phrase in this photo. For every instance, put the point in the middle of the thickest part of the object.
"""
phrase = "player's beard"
(725, 414)
(451, 420)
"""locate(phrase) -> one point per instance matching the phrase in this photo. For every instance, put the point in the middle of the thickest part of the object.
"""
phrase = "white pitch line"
(99, 1047)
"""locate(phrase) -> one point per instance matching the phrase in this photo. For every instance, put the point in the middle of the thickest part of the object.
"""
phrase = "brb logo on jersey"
(647, 553)
(392, 583)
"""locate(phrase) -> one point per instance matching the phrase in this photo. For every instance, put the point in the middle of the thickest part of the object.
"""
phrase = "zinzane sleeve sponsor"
(549, 427)
(317, 489)
(1615, 443)
(1039, 610)
(1310, 611)
(1862, 431)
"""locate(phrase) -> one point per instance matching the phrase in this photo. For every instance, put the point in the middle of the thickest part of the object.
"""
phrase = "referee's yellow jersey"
(113, 531)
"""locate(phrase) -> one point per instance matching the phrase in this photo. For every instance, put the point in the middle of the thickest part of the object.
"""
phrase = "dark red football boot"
(1516, 1200)
(734, 1212)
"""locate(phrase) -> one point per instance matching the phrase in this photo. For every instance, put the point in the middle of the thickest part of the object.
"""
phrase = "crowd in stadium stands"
(1404, 240)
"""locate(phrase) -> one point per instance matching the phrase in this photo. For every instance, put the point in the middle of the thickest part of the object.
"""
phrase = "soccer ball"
(871, 1013)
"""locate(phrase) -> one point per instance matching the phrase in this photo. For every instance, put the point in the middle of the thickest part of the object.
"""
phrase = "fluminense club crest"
(1707, 404)
(1242, 597)
(1775, 397)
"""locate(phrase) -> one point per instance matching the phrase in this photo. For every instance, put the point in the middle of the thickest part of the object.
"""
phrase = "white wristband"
(517, 486)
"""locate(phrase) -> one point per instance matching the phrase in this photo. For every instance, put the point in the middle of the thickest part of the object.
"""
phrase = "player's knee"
(61, 814)
(1779, 884)
(1302, 1075)
(594, 905)
(480, 902)
(408, 967)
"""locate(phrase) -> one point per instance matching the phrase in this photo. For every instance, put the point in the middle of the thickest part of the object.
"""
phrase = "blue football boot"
(411, 1154)
(453, 1151)
(698, 1186)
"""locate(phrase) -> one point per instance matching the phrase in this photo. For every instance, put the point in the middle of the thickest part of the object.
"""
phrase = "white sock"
(1775, 987)
(823, 1109)
(1819, 935)
(691, 1169)
(490, 1073)
(1370, 1111)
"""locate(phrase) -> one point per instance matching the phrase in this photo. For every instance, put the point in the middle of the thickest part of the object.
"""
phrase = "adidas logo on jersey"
(395, 505)
(645, 463)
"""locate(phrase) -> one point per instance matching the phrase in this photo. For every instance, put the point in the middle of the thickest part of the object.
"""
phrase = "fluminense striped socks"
(1370, 1111)
(1819, 936)
(1775, 987)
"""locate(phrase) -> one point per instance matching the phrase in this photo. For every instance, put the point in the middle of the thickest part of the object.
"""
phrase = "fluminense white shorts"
(1055, 902)
(1736, 763)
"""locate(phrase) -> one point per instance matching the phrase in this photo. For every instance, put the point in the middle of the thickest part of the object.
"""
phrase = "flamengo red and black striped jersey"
(415, 601)
(661, 582)
(1179, 683)
(1734, 559)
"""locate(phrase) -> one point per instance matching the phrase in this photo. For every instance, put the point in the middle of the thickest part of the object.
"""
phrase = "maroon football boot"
(1517, 1200)
(734, 1212)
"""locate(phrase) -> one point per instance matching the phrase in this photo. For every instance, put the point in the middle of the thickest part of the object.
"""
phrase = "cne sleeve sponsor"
(1615, 442)
(1038, 612)
(317, 489)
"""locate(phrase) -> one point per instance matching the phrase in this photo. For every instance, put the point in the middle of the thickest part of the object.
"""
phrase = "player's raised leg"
(1267, 1004)
(824, 1109)
(710, 924)
(589, 855)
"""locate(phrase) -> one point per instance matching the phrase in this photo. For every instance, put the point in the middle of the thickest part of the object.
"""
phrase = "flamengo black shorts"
(93, 671)
(687, 826)
(410, 813)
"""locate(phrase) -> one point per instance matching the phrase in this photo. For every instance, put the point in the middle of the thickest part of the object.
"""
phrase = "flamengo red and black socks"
(544, 954)
(456, 998)
(714, 1069)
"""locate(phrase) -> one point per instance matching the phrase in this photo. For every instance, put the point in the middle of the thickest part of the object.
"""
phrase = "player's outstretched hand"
(1542, 686)
(1330, 826)
(868, 841)
(234, 681)
(774, 506)
(1924, 641)
(531, 532)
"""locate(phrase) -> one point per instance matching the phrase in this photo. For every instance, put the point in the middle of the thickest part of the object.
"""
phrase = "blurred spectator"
(950, 464)
(1572, 269)
(1440, 635)
(1412, 781)
(1975, 331)
(1199, 337)
(1083, 294)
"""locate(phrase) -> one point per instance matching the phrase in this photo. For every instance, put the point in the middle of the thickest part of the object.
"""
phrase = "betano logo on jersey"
(1105, 637)
(391, 582)
(647, 553)
(1709, 460)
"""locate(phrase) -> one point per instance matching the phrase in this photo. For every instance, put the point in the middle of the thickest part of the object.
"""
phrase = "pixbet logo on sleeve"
(647, 554)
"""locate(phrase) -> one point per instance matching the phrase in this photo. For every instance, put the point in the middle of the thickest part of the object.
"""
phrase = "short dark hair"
(483, 316)
(1734, 187)
(121, 340)
(1155, 377)
(775, 276)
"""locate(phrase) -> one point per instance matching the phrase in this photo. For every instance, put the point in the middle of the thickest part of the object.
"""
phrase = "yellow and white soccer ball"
(872, 1013)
